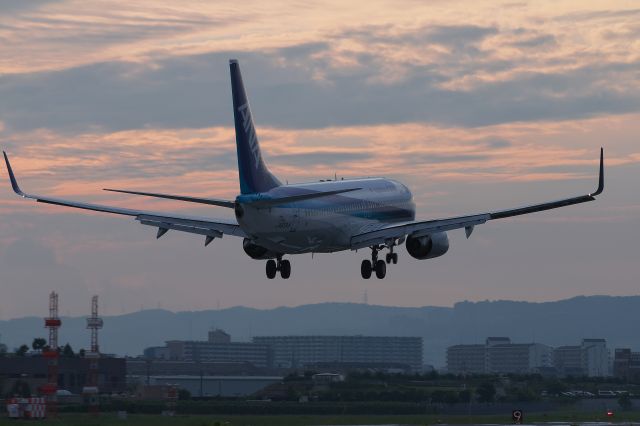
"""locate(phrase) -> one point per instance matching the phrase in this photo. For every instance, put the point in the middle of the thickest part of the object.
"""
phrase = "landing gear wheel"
(285, 269)
(389, 257)
(381, 269)
(394, 258)
(366, 269)
(272, 269)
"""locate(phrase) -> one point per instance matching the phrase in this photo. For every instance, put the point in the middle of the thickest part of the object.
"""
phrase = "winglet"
(601, 178)
(12, 177)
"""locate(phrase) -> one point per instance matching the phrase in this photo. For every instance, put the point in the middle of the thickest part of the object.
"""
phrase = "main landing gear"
(377, 265)
(282, 265)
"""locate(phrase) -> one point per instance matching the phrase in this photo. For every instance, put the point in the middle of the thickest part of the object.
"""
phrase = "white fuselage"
(325, 224)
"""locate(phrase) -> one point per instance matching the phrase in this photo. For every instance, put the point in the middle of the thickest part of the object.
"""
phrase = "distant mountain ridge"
(563, 322)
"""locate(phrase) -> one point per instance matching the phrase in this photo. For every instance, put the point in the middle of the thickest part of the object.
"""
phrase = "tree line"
(38, 346)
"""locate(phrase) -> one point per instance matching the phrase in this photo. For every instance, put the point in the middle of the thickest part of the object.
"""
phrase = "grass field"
(109, 419)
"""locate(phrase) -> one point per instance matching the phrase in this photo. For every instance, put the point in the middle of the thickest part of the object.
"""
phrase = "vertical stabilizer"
(254, 175)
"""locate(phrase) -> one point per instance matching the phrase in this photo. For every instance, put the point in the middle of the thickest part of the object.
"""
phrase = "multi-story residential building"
(569, 360)
(198, 351)
(218, 348)
(596, 357)
(518, 358)
(626, 364)
(467, 359)
(590, 358)
(298, 351)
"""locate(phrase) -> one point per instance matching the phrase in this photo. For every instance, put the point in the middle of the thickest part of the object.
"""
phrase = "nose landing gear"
(282, 265)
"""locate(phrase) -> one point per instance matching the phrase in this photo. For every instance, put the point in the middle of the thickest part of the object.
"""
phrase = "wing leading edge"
(420, 228)
(195, 225)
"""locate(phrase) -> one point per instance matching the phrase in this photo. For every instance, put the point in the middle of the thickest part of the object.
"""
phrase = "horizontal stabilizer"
(211, 201)
(284, 200)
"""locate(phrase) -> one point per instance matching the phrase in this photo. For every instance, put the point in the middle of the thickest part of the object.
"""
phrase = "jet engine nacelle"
(257, 252)
(428, 246)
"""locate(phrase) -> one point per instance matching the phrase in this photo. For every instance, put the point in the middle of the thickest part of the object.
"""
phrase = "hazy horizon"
(344, 302)
(560, 323)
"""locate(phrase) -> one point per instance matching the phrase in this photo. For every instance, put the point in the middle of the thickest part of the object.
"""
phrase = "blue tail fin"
(254, 175)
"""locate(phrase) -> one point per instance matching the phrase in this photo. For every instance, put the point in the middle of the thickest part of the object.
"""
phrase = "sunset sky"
(475, 105)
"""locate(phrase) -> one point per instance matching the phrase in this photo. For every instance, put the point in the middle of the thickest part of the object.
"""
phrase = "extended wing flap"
(163, 227)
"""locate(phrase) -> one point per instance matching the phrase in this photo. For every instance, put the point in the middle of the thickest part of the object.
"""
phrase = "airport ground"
(560, 418)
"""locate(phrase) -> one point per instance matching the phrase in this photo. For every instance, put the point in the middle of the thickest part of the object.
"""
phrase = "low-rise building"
(225, 386)
(72, 373)
(139, 369)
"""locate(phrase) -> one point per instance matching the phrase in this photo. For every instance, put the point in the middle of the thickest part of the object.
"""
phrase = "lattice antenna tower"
(53, 322)
(90, 390)
(94, 323)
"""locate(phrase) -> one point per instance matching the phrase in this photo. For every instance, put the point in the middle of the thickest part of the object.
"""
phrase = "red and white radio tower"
(53, 323)
(94, 323)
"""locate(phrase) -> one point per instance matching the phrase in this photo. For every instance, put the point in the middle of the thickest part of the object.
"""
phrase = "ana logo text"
(250, 132)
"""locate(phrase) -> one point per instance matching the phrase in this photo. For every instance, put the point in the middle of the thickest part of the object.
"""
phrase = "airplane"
(276, 219)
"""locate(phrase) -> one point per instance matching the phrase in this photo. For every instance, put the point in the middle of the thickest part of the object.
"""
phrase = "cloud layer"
(475, 105)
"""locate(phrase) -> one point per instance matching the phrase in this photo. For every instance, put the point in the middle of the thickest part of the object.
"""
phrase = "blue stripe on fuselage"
(381, 199)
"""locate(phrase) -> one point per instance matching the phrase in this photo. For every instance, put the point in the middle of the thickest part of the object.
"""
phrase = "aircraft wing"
(210, 228)
(420, 228)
